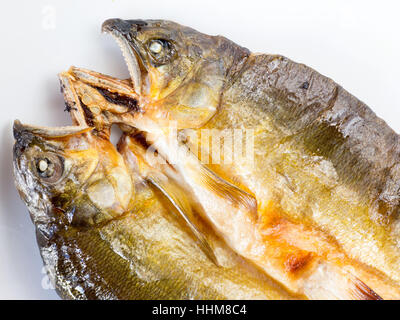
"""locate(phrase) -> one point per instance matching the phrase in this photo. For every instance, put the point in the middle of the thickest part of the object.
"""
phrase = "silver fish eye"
(49, 168)
(161, 51)
(156, 46)
(42, 165)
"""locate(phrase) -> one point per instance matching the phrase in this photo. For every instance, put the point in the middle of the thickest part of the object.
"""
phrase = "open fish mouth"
(48, 132)
(121, 31)
(79, 86)
(115, 91)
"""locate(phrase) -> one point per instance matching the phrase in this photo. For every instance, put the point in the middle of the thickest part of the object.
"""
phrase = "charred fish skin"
(327, 120)
(320, 154)
(353, 152)
(128, 248)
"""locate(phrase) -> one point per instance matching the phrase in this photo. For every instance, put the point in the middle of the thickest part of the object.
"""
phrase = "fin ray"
(362, 292)
(183, 207)
(226, 190)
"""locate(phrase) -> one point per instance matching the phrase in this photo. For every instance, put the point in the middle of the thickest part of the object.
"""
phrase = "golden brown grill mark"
(297, 262)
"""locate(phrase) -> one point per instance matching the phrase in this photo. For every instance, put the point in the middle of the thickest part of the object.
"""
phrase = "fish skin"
(147, 255)
(96, 251)
(296, 255)
(353, 155)
(322, 155)
(216, 112)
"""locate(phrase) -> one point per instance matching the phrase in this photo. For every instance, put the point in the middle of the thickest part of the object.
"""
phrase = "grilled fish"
(105, 233)
(322, 158)
(296, 211)
(302, 258)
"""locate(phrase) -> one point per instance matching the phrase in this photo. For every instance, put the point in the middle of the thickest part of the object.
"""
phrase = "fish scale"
(321, 136)
(148, 269)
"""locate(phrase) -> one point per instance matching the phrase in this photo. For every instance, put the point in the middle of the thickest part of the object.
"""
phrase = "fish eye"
(161, 51)
(156, 46)
(49, 167)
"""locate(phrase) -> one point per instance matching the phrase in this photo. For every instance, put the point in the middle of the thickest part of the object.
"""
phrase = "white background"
(354, 42)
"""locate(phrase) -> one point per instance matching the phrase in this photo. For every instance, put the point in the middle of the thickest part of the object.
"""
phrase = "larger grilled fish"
(302, 258)
(322, 158)
(104, 233)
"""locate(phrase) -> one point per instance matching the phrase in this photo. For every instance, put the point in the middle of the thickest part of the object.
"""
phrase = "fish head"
(46, 167)
(177, 68)
(70, 176)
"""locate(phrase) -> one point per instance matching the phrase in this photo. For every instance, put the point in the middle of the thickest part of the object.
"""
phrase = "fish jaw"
(111, 189)
(99, 100)
(120, 29)
(48, 132)
(96, 79)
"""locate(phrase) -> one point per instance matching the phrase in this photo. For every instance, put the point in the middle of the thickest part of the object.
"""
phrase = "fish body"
(147, 255)
(314, 209)
(297, 255)
(320, 153)
(321, 156)
(104, 233)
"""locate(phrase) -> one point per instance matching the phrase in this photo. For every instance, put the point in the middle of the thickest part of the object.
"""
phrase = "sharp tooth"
(131, 61)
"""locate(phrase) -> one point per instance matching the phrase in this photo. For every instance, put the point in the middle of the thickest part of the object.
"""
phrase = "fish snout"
(17, 129)
(22, 138)
(123, 27)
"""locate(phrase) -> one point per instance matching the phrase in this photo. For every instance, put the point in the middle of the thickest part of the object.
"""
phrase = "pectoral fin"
(360, 291)
(332, 281)
(226, 190)
(179, 200)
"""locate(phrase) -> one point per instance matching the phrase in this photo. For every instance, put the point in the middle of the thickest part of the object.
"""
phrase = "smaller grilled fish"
(105, 234)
